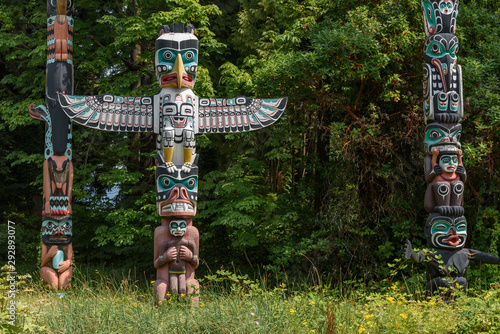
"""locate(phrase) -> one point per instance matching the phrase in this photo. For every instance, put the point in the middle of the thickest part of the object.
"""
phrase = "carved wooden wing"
(239, 114)
(112, 113)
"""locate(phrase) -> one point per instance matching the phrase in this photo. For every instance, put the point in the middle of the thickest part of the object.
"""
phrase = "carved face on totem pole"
(440, 16)
(176, 57)
(440, 52)
(446, 232)
(442, 79)
(448, 163)
(445, 137)
(178, 228)
(57, 231)
(177, 193)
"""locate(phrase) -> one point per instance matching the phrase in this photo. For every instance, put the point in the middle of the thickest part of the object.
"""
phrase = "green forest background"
(336, 184)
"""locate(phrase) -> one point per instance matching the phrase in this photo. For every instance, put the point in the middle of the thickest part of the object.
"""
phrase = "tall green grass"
(230, 303)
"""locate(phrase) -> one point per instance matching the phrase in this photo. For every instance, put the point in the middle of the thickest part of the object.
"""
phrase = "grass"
(235, 304)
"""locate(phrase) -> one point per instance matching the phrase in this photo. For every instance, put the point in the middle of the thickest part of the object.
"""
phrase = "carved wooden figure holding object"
(446, 188)
(175, 258)
(56, 265)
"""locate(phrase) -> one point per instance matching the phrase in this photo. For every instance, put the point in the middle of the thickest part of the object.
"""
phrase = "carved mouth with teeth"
(177, 208)
(449, 148)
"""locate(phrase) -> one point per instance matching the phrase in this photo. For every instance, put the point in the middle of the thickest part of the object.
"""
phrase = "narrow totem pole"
(446, 228)
(57, 249)
(176, 114)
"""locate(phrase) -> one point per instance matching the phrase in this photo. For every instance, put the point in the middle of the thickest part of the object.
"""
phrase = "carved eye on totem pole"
(57, 231)
(442, 137)
(177, 193)
(446, 232)
(178, 228)
(439, 16)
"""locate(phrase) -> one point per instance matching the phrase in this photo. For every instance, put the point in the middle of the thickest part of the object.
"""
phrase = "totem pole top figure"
(176, 56)
(440, 16)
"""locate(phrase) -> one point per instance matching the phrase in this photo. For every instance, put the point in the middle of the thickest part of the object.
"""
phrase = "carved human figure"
(56, 267)
(446, 188)
(176, 244)
(57, 252)
(446, 138)
(446, 260)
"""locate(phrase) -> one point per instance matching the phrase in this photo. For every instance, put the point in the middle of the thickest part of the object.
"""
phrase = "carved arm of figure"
(436, 169)
(48, 252)
(431, 165)
(411, 254)
(460, 168)
(189, 255)
(65, 265)
(167, 256)
(483, 257)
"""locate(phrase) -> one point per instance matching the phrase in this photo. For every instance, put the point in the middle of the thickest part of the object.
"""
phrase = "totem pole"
(446, 228)
(176, 115)
(57, 249)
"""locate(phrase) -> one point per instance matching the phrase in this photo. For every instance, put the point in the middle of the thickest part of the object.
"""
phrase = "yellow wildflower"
(368, 316)
(202, 305)
(312, 303)
(304, 322)
(393, 287)
(153, 282)
(361, 329)
(404, 316)
(292, 311)
(313, 331)
(391, 300)
(432, 302)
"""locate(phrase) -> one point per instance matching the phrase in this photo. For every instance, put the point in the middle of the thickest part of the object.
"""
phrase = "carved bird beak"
(179, 68)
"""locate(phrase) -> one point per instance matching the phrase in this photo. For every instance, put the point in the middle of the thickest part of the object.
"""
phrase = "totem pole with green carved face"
(446, 228)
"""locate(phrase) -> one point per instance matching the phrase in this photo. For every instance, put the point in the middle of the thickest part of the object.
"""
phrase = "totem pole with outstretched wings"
(176, 115)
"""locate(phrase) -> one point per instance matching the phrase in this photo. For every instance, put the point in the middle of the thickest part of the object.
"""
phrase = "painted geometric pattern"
(238, 114)
(110, 112)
